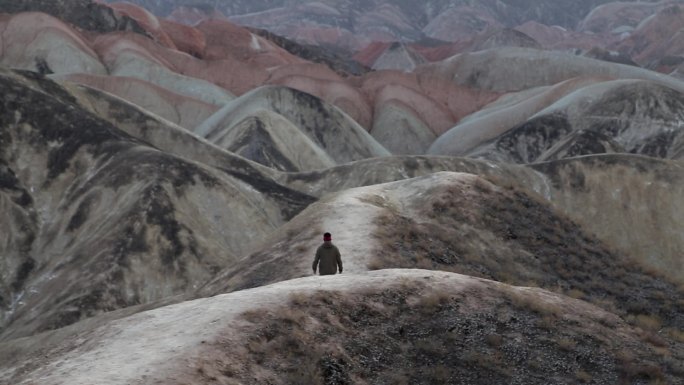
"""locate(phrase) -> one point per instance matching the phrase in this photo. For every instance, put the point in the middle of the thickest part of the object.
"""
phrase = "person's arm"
(315, 262)
(339, 261)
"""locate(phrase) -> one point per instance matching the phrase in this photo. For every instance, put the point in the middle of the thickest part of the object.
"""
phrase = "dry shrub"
(643, 371)
(606, 304)
(291, 233)
(301, 248)
(398, 377)
(534, 364)
(648, 322)
(576, 294)
(375, 264)
(383, 226)
(653, 338)
(431, 347)
(476, 358)
(291, 316)
(534, 304)
(299, 298)
(566, 344)
(439, 374)
(675, 334)
(663, 351)
(306, 373)
(255, 316)
(433, 302)
(380, 201)
(676, 366)
(625, 357)
(583, 376)
(494, 340)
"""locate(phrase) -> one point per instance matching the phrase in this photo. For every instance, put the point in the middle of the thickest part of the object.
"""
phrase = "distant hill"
(504, 184)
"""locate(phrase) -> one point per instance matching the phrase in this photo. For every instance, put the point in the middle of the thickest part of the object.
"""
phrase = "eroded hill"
(391, 325)
(164, 186)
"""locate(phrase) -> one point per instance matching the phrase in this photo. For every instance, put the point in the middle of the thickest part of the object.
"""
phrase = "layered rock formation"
(611, 26)
(65, 169)
(506, 212)
(627, 116)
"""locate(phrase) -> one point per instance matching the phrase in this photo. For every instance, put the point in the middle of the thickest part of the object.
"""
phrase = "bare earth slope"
(435, 326)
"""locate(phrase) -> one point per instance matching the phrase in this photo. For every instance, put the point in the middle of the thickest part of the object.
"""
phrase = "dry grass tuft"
(643, 371)
(675, 334)
(433, 302)
(535, 304)
(576, 294)
(566, 344)
(380, 201)
(583, 376)
(647, 322)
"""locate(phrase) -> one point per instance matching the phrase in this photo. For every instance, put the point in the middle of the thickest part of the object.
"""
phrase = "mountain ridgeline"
(502, 178)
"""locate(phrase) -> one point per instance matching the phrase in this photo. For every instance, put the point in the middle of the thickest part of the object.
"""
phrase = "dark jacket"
(329, 258)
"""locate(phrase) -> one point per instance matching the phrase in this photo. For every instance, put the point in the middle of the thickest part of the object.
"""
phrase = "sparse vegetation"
(647, 322)
(575, 293)
(566, 344)
(380, 201)
(583, 376)
(676, 334)
(513, 237)
(416, 334)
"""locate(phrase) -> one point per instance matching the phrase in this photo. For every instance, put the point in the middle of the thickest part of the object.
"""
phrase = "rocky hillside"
(387, 326)
(164, 187)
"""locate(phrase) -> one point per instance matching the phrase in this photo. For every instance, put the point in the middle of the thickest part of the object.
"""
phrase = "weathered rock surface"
(146, 20)
(339, 62)
(460, 22)
(184, 111)
(351, 24)
(194, 341)
(505, 69)
(326, 127)
(398, 128)
(131, 56)
(398, 57)
(84, 14)
(623, 116)
(105, 220)
(39, 42)
(655, 37)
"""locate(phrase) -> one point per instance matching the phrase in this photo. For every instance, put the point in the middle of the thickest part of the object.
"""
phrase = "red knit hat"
(327, 237)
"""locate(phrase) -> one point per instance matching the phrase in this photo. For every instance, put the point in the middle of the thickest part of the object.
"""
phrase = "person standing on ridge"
(328, 256)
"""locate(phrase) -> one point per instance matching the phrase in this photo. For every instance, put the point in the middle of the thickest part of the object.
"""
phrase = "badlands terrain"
(503, 179)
